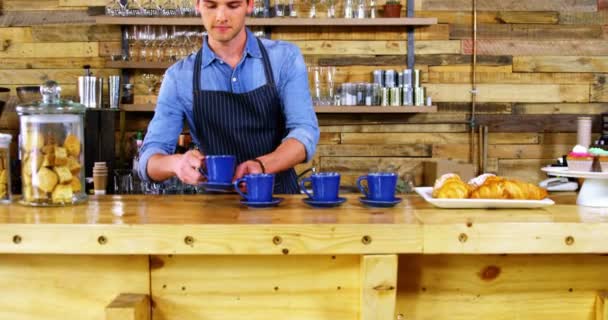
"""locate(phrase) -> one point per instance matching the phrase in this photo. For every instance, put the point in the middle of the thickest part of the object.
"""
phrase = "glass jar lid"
(51, 102)
(5, 140)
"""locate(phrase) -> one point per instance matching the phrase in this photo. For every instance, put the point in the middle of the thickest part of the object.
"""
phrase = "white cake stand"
(593, 193)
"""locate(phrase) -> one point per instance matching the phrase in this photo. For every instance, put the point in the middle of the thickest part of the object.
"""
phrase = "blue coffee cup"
(325, 186)
(380, 186)
(259, 187)
(219, 168)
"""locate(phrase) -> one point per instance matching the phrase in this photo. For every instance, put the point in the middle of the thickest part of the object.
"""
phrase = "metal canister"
(406, 80)
(400, 79)
(419, 96)
(385, 97)
(416, 78)
(389, 78)
(429, 101)
(408, 95)
(395, 96)
(379, 77)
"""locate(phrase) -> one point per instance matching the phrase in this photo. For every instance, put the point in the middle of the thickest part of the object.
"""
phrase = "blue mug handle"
(238, 190)
(363, 190)
(303, 188)
(203, 169)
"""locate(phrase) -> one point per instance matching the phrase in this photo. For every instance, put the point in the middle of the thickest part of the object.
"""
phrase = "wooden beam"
(129, 306)
(533, 122)
(500, 5)
(426, 59)
(527, 31)
(537, 17)
(378, 287)
(560, 64)
(504, 92)
(31, 18)
(538, 48)
(599, 17)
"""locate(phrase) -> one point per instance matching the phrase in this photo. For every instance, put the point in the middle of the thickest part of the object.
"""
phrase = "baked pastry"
(74, 166)
(64, 174)
(492, 187)
(46, 180)
(450, 186)
(32, 140)
(72, 145)
(76, 185)
(61, 156)
(62, 194)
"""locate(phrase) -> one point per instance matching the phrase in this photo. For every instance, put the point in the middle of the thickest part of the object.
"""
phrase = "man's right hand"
(187, 167)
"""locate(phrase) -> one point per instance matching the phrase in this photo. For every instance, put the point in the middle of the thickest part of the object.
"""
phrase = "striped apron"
(247, 125)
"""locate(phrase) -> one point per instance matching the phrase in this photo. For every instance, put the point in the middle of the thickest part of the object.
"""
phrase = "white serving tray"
(426, 193)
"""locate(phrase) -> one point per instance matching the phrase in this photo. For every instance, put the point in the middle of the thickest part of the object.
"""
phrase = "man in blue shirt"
(239, 95)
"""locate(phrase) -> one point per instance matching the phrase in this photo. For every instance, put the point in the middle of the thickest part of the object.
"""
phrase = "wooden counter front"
(219, 224)
(208, 257)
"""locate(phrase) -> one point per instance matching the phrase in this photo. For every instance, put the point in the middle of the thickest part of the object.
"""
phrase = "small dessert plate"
(218, 186)
(262, 204)
(380, 203)
(324, 204)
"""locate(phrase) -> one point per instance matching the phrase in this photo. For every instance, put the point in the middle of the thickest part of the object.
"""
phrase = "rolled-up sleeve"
(165, 126)
(301, 120)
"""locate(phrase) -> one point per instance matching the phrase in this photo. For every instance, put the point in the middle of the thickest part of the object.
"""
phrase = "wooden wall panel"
(501, 287)
(228, 287)
(499, 5)
(57, 287)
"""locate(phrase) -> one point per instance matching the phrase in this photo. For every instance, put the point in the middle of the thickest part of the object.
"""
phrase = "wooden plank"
(527, 31)
(537, 17)
(81, 3)
(602, 4)
(59, 287)
(560, 108)
(504, 92)
(416, 150)
(533, 123)
(378, 287)
(129, 306)
(558, 138)
(510, 77)
(42, 17)
(16, 34)
(50, 50)
(26, 5)
(272, 21)
(560, 64)
(376, 47)
(430, 59)
(434, 138)
(599, 17)
(601, 308)
(499, 287)
(462, 151)
(269, 287)
(498, 5)
(538, 48)
(375, 109)
(459, 107)
(75, 33)
(329, 138)
(468, 69)
(524, 169)
(599, 90)
(52, 63)
(433, 32)
(461, 16)
(427, 127)
(27, 76)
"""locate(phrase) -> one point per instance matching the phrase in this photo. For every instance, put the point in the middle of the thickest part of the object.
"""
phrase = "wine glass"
(151, 81)
(132, 8)
(150, 8)
(113, 8)
(169, 8)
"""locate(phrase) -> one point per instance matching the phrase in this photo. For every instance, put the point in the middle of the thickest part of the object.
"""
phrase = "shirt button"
(233, 79)
(221, 62)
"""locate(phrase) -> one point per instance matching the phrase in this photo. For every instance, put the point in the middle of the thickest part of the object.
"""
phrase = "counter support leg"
(378, 287)
(129, 306)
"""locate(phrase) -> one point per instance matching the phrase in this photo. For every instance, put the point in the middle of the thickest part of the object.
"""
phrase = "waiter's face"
(224, 19)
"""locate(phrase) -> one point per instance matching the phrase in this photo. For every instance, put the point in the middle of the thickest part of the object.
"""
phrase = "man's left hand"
(246, 168)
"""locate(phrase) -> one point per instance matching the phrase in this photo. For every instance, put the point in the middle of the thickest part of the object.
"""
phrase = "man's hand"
(186, 168)
(246, 168)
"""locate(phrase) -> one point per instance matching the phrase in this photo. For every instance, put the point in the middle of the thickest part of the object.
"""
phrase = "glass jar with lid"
(5, 168)
(52, 150)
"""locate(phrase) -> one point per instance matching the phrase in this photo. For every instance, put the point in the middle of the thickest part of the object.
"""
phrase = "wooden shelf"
(318, 109)
(195, 21)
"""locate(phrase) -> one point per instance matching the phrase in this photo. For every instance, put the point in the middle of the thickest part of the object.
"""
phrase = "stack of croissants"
(486, 186)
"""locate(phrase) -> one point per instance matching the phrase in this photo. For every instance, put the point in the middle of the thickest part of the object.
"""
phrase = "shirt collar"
(252, 49)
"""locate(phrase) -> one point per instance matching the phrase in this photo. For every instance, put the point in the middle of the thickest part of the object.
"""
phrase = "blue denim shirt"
(175, 102)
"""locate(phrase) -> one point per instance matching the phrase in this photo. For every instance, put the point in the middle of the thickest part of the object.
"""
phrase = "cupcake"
(601, 159)
(579, 159)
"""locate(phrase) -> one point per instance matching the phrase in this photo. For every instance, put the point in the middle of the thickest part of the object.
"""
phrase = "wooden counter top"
(218, 224)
